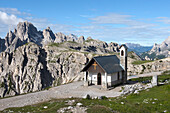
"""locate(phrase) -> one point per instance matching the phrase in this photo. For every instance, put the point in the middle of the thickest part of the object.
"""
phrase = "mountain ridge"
(35, 60)
(27, 32)
(138, 48)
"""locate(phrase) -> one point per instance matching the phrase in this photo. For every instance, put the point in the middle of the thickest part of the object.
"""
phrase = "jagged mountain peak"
(26, 32)
(48, 28)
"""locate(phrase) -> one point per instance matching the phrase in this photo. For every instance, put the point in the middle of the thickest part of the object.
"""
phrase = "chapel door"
(99, 79)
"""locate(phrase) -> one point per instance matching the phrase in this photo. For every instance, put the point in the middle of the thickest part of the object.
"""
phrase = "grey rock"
(87, 96)
(24, 70)
(60, 37)
(48, 36)
(71, 37)
(162, 49)
(113, 47)
(26, 32)
(79, 104)
(89, 38)
(2, 45)
(81, 39)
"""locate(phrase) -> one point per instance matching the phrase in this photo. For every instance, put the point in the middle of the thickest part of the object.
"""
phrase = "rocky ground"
(32, 60)
(75, 89)
(154, 66)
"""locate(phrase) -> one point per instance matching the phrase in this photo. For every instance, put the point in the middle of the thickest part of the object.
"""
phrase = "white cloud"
(111, 27)
(124, 28)
(10, 11)
(9, 19)
(8, 22)
(114, 18)
(14, 11)
(165, 20)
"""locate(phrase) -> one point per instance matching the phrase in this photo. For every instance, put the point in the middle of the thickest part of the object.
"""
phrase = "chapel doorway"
(99, 79)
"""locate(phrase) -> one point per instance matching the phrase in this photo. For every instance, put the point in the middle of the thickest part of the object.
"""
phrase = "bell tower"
(123, 61)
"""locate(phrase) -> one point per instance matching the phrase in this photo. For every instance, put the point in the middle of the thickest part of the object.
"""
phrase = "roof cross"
(95, 65)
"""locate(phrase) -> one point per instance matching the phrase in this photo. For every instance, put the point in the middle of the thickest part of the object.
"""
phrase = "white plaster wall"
(109, 78)
(93, 77)
(124, 49)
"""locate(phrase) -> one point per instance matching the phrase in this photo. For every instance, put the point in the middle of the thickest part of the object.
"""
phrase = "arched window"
(122, 53)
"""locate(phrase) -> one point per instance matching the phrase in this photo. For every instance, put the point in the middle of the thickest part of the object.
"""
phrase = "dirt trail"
(75, 89)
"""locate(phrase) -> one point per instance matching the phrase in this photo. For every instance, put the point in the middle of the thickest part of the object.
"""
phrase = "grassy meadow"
(154, 100)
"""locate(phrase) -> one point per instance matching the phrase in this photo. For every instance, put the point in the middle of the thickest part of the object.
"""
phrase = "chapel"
(107, 71)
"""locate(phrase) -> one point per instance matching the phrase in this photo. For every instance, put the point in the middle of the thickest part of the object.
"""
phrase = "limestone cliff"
(32, 60)
(32, 68)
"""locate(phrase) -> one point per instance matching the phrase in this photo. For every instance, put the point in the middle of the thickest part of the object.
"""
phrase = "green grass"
(52, 105)
(51, 61)
(55, 44)
(141, 62)
(156, 100)
(135, 103)
(89, 40)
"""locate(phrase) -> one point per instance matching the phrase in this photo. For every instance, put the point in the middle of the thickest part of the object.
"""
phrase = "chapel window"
(122, 53)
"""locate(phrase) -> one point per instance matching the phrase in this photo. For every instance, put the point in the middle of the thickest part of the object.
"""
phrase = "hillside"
(32, 60)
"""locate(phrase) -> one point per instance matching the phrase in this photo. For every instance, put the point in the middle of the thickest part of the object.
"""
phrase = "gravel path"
(75, 89)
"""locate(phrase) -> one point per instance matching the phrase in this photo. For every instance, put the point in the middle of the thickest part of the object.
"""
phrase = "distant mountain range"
(138, 48)
(158, 51)
(162, 49)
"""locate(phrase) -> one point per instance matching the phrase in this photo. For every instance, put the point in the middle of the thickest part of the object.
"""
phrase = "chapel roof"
(110, 64)
(124, 46)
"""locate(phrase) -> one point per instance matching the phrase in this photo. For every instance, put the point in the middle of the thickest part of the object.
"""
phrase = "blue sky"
(136, 21)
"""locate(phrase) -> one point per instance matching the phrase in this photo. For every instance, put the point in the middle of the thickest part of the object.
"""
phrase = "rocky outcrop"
(35, 60)
(2, 45)
(162, 49)
(60, 37)
(26, 32)
(32, 68)
(48, 36)
(66, 66)
(24, 70)
(71, 37)
(81, 39)
(158, 65)
(113, 47)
